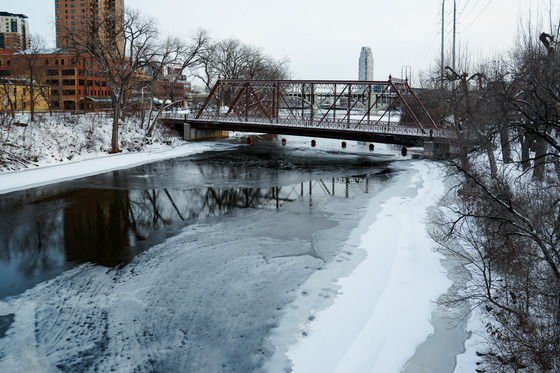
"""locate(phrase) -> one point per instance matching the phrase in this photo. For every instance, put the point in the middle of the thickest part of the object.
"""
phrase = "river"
(180, 265)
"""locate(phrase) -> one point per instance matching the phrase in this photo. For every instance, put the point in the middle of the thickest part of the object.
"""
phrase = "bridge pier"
(436, 150)
(202, 134)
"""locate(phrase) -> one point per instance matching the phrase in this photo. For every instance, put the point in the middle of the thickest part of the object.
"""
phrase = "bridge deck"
(383, 132)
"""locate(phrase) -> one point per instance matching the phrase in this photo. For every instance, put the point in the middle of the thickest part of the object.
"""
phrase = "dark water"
(109, 218)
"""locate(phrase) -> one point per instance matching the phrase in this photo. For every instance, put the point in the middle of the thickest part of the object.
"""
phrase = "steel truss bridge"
(370, 111)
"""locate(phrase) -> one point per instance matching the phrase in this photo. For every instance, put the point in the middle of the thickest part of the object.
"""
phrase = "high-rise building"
(365, 70)
(14, 32)
(80, 17)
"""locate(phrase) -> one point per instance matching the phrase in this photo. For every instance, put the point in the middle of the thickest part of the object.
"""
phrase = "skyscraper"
(14, 32)
(81, 17)
(365, 70)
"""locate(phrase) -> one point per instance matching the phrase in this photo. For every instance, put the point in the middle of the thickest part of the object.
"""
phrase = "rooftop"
(6, 14)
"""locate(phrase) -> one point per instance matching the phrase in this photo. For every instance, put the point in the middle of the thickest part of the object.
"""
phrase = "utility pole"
(443, 33)
(454, 24)
(442, 38)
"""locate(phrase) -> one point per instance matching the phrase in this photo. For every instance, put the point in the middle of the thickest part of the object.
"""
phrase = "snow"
(382, 310)
(372, 320)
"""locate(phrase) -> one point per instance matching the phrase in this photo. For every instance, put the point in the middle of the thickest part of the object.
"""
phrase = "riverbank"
(69, 170)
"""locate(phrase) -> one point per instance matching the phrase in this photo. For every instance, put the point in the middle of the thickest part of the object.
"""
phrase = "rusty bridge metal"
(374, 111)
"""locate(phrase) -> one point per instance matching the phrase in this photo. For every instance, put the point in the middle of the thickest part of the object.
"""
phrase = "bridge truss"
(318, 103)
(375, 111)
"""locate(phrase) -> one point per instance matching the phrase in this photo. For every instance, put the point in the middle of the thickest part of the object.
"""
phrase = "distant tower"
(14, 32)
(365, 71)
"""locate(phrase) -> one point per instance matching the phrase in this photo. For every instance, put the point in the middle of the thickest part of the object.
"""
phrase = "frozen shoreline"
(372, 328)
(43, 175)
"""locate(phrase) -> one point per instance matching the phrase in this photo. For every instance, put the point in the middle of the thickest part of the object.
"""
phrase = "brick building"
(79, 16)
(76, 81)
(72, 78)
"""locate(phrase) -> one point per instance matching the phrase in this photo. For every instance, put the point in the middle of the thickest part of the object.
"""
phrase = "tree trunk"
(31, 102)
(505, 142)
(525, 155)
(115, 134)
(492, 160)
(540, 158)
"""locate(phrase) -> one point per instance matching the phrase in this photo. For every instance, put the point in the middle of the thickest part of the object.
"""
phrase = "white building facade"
(365, 70)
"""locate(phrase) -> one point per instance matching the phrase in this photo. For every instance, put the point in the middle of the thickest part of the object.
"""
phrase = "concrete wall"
(200, 134)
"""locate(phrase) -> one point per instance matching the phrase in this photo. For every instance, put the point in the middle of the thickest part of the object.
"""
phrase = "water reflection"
(96, 226)
(109, 218)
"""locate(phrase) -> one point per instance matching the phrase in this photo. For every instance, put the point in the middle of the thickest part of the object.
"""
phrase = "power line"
(478, 16)
(471, 10)
(429, 43)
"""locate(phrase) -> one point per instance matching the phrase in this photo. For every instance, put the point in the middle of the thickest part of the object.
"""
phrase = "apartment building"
(79, 17)
(14, 33)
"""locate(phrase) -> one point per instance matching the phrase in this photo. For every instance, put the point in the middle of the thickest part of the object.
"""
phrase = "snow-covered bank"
(29, 178)
(382, 310)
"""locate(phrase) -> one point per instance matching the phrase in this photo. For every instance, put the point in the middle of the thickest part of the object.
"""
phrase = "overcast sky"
(323, 38)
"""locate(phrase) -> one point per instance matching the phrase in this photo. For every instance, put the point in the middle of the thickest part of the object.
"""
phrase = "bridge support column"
(428, 149)
(187, 132)
(436, 150)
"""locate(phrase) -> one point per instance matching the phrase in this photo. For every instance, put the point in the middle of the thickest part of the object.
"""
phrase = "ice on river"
(248, 292)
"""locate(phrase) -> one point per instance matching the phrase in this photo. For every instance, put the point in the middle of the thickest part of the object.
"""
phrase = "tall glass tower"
(365, 71)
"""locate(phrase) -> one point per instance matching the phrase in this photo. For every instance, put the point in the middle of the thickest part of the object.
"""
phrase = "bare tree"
(122, 47)
(8, 104)
(180, 56)
(231, 59)
(32, 72)
(504, 220)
